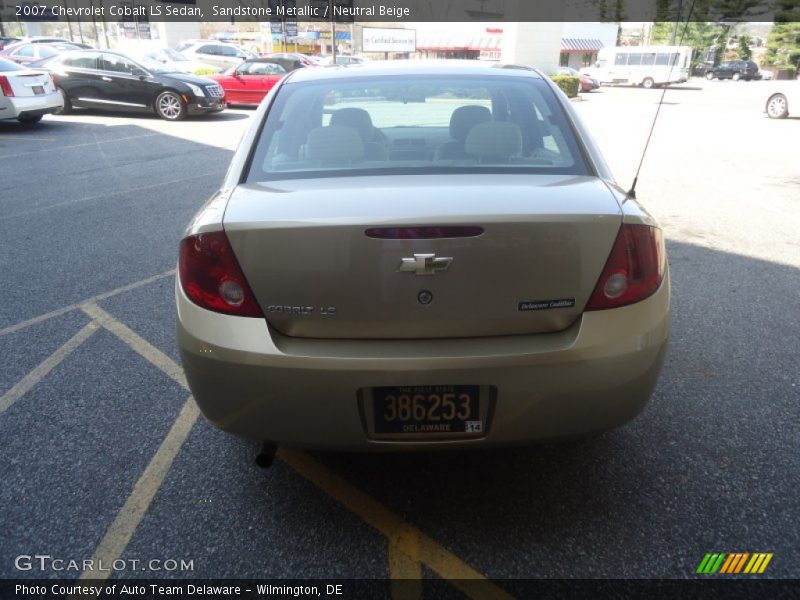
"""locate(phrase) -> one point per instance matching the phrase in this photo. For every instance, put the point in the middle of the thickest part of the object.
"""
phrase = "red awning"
(580, 45)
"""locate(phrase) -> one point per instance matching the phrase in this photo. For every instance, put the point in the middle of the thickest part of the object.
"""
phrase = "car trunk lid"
(532, 249)
(29, 83)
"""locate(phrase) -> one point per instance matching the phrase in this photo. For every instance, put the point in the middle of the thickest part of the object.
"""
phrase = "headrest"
(357, 118)
(495, 140)
(464, 117)
(334, 143)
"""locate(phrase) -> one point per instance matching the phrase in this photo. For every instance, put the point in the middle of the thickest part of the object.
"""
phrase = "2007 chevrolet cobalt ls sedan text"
(420, 255)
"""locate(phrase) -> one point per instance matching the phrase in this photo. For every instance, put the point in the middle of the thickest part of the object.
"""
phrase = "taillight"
(211, 277)
(5, 87)
(53, 80)
(634, 270)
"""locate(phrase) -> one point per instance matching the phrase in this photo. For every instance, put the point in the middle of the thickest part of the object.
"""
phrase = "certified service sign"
(389, 40)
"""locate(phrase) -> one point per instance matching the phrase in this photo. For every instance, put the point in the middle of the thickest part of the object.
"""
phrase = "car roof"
(44, 38)
(393, 68)
(72, 53)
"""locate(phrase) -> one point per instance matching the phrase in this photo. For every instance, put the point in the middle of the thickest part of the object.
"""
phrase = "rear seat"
(334, 145)
(494, 142)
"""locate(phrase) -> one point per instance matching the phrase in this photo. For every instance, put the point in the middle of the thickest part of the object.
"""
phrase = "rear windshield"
(7, 65)
(412, 125)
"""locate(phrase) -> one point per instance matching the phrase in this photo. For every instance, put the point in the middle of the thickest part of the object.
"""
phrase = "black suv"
(734, 69)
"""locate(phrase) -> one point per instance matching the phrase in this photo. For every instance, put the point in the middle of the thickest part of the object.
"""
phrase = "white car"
(26, 94)
(171, 59)
(215, 53)
(342, 59)
(783, 101)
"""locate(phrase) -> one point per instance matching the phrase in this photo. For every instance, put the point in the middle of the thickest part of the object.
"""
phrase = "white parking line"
(25, 138)
(60, 148)
(50, 363)
(93, 299)
(127, 190)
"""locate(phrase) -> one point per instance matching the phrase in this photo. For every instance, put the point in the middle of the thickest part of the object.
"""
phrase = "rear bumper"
(596, 375)
(16, 106)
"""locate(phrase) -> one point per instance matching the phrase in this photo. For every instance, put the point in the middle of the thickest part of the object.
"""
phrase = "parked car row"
(114, 81)
(146, 77)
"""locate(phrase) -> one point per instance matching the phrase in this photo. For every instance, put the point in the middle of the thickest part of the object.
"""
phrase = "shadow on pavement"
(710, 464)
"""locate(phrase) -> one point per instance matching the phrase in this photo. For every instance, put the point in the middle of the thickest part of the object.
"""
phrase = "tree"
(783, 45)
(744, 47)
(703, 37)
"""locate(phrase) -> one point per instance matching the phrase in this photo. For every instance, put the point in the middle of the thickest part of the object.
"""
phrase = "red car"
(250, 81)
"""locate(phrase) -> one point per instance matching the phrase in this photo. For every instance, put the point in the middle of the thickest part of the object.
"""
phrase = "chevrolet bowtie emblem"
(425, 264)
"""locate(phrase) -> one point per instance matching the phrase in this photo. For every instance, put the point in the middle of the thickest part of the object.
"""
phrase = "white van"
(647, 66)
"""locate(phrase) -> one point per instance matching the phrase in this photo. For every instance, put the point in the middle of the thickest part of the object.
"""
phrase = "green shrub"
(568, 83)
(205, 72)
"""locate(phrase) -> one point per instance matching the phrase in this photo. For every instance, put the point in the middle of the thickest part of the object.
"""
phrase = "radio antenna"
(632, 191)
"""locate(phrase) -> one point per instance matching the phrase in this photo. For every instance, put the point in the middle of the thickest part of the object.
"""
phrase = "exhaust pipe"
(266, 455)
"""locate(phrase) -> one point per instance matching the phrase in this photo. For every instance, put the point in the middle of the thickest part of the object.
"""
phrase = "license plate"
(38, 89)
(427, 409)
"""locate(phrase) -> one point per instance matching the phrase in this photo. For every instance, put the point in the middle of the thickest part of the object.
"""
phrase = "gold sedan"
(420, 255)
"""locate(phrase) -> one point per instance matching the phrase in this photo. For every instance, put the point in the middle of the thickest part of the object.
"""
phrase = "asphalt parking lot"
(104, 455)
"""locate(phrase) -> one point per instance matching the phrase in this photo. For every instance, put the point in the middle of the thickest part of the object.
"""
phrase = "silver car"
(420, 255)
(218, 54)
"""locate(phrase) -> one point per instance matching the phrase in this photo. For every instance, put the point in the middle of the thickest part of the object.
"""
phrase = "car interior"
(439, 126)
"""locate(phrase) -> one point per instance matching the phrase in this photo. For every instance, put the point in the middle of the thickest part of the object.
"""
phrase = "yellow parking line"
(407, 545)
(402, 535)
(97, 298)
(121, 530)
(138, 343)
(405, 571)
(47, 365)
